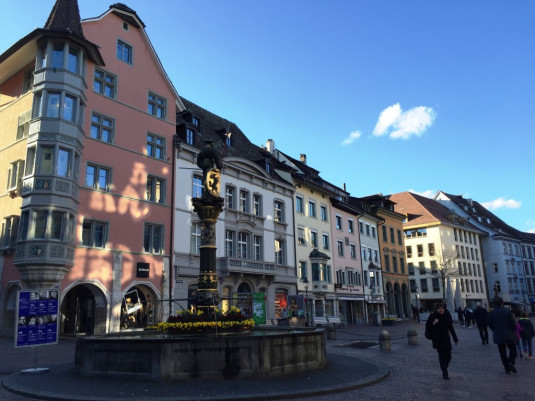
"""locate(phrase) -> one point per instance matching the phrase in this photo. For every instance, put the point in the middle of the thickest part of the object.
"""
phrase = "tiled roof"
(487, 219)
(425, 211)
(213, 127)
(65, 18)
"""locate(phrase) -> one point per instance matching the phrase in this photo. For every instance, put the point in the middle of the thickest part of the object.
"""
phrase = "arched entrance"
(139, 307)
(9, 304)
(83, 310)
(244, 299)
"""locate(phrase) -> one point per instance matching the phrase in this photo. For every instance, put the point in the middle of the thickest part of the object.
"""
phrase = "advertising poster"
(37, 318)
(296, 306)
(259, 308)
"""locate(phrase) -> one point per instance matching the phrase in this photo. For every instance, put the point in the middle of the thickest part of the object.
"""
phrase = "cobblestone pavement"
(475, 370)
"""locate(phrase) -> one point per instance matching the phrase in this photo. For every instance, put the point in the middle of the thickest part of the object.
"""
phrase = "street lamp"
(304, 280)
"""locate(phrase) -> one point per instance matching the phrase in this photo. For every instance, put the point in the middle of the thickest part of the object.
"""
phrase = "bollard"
(412, 336)
(331, 332)
(385, 342)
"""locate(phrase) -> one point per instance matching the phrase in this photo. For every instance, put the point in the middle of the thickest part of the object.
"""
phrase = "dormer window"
(268, 167)
(126, 26)
(195, 121)
(190, 137)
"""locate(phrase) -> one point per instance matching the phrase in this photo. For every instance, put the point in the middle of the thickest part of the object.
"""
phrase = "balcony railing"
(246, 266)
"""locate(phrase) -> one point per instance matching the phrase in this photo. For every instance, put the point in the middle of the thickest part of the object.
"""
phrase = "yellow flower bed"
(200, 327)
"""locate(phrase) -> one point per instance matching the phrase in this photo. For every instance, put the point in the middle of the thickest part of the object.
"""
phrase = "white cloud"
(501, 203)
(351, 138)
(428, 193)
(396, 123)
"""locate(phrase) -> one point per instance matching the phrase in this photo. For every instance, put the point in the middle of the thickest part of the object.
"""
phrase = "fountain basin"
(154, 356)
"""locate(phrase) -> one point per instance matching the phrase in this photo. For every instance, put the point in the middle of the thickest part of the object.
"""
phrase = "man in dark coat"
(481, 315)
(503, 325)
(440, 325)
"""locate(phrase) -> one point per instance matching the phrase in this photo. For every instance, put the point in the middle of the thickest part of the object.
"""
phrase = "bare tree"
(446, 267)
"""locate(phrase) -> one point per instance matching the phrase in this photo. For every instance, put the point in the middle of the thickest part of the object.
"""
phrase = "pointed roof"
(65, 18)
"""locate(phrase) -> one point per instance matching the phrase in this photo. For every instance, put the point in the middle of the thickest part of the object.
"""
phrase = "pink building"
(97, 179)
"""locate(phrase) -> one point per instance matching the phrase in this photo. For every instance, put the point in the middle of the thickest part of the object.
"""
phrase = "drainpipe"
(176, 147)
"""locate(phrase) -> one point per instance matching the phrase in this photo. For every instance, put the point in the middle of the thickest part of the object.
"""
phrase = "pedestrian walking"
(481, 315)
(518, 332)
(460, 316)
(467, 316)
(502, 323)
(528, 332)
(440, 326)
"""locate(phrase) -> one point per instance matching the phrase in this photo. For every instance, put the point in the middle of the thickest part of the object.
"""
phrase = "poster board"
(37, 318)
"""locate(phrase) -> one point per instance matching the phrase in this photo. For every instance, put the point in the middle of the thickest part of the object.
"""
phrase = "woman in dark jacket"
(440, 325)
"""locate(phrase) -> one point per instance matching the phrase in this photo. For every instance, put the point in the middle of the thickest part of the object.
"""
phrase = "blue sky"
(382, 95)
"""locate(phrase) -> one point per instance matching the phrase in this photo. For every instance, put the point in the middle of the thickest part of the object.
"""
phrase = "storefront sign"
(37, 318)
(143, 270)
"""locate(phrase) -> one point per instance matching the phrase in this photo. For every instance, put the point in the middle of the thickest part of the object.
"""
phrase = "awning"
(350, 299)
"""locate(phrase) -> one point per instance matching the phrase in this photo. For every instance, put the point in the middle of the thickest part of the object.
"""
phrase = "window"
(411, 269)
(323, 211)
(27, 84)
(361, 227)
(400, 238)
(157, 106)
(195, 121)
(155, 146)
(303, 270)
(301, 236)
(363, 252)
(257, 205)
(376, 255)
(299, 207)
(155, 189)
(402, 265)
(420, 249)
(105, 83)
(369, 254)
(434, 267)
(64, 167)
(431, 249)
(229, 243)
(57, 55)
(340, 247)
(124, 52)
(98, 177)
(24, 125)
(315, 272)
(14, 175)
(195, 238)
(244, 201)
(94, 233)
(423, 285)
(52, 104)
(280, 257)
(190, 137)
(385, 237)
(387, 262)
(197, 187)
(421, 266)
(326, 241)
(102, 128)
(230, 195)
(278, 211)
(243, 242)
(9, 231)
(46, 159)
(409, 251)
(73, 60)
(353, 251)
(436, 285)
(373, 232)
(392, 238)
(350, 226)
(257, 247)
(69, 108)
(153, 238)
(368, 230)
(311, 209)
(314, 239)
(338, 222)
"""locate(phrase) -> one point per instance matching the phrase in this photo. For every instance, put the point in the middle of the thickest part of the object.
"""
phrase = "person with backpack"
(439, 326)
(527, 334)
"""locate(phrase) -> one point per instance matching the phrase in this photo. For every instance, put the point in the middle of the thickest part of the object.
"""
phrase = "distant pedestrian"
(440, 326)
(460, 316)
(528, 332)
(467, 316)
(518, 332)
(481, 315)
(502, 323)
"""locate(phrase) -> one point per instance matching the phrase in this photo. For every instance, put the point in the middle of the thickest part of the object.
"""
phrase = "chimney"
(270, 145)
(303, 158)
